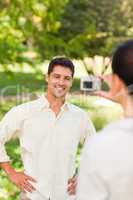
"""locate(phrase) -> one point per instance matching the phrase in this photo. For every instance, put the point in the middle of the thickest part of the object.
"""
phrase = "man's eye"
(68, 78)
(56, 76)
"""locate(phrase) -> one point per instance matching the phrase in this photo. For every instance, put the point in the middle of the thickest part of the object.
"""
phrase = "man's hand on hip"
(72, 184)
(22, 181)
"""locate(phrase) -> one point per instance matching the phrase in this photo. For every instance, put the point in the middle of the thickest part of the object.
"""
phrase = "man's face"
(59, 81)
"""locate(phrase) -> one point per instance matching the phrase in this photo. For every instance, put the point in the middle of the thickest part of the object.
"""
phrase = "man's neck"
(55, 103)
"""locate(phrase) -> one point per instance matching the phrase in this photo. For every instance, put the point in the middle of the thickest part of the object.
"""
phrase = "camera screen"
(87, 84)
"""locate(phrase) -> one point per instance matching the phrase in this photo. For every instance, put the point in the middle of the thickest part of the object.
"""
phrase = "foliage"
(94, 27)
(28, 26)
(34, 30)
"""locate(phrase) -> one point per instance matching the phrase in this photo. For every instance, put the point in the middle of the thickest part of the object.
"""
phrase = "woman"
(106, 171)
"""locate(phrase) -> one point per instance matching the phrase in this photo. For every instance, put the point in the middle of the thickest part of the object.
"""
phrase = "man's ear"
(72, 82)
(46, 77)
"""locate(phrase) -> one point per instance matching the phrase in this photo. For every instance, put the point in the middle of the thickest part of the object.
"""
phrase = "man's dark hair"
(122, 62)
(62, 61)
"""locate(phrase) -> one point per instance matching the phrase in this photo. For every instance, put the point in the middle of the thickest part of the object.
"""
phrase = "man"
(106, 171)
(49, 130)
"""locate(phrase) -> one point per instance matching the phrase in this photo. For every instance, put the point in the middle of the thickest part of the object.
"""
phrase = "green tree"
(94, 27)
(76, 28)
(29, 26)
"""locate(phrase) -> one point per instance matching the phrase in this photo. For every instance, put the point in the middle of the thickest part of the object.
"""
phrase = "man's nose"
(61, 81)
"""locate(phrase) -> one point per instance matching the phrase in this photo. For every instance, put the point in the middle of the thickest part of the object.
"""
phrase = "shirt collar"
(44, 103)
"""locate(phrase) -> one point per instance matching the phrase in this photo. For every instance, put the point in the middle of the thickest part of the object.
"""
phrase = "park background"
(34, 31)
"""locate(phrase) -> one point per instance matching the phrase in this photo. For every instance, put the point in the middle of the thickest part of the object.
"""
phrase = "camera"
(90, 83)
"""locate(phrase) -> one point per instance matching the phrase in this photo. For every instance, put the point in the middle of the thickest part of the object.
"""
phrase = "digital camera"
(90, 83)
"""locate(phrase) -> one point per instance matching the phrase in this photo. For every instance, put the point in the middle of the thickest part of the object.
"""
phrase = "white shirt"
(106, 171)
(48, 143)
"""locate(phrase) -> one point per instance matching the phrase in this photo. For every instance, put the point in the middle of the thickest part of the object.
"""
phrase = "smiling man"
(49, 130)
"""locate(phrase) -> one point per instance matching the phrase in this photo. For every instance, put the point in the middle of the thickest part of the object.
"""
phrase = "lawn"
(18, 83)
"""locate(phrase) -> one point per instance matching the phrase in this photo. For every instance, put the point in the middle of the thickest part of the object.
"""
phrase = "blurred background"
(34, 31)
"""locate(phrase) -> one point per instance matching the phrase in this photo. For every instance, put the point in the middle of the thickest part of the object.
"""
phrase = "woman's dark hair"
(62, 61)
(122, 62)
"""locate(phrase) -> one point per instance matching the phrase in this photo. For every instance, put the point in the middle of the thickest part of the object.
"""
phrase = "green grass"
(18, 83)
(14, 83)
(99, 114)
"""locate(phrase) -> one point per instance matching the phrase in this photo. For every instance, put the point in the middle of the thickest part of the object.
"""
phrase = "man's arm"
(72, 185)
(88, 128)
(9, 125)
(21, 180)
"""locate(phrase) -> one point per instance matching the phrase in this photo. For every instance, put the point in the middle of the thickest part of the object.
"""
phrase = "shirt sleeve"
(90, 184)
(88, 128)
(9, 127)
